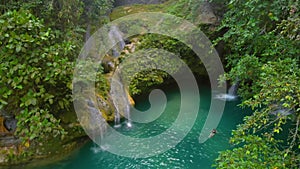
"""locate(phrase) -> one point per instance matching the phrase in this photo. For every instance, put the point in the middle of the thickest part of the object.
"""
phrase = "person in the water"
(212, 133)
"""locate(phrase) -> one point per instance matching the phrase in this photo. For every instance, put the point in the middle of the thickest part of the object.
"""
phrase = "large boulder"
(205, 14)
(10, 124)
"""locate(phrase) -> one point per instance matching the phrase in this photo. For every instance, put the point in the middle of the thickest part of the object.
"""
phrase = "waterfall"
(233, 89)
(120, 100)
(97, 123)
(116, 38)
(117, 117)
(231, 94)
(118, 91)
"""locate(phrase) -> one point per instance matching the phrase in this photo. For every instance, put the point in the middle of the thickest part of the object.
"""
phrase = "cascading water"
(231, 94)
(118, 92)
(120, 99)
(233, 89)
(117, 117)
(115, 37)
(98, 123)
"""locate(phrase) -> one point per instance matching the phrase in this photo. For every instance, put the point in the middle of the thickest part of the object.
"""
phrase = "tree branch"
(295, 133)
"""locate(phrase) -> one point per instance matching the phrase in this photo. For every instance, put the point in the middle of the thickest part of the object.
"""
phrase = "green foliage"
(63, 12)
(245, 70)
(174, 46)
(181, 8)
(279, 82)
(40, 41)
(198, 12)
(37, 123)
(70, 19)
(88, 75)
(188, 9)
(35, 74)
(262, 38)
(147, 79)
(257, 153)
(143, 81)
(252, 31)
(66, 12)
(158, 69)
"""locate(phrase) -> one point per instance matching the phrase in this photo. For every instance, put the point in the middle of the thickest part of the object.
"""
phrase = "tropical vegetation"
(41, 40)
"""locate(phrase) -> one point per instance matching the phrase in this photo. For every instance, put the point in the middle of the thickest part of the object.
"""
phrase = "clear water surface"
(188, 154)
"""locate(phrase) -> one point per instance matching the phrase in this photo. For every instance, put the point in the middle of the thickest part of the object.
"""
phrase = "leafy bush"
(40, 41)
(142, 81)
(36, 72)
(262, 39)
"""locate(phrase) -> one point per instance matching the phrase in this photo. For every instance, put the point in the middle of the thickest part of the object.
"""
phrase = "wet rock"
(108, 64)
(8, 140)
(105, 105)
(10, 124)
(130, 99)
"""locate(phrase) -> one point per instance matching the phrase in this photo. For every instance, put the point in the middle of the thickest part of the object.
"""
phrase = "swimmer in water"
(212, 133)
